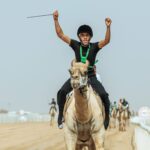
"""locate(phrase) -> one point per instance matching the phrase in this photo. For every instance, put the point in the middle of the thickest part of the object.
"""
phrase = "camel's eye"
(83, 73)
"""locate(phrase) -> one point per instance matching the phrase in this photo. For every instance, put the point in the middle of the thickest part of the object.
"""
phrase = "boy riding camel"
(84, 50)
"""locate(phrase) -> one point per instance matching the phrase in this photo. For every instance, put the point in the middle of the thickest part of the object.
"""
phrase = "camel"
(113, 116)
(83, 113)
(122, 116)
(52, 113)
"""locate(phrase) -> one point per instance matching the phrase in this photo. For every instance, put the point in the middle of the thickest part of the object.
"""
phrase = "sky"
(34, 62)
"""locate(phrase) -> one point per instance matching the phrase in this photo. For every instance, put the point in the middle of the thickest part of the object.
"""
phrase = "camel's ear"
(70, 71)
(87, 63)
(73, 62)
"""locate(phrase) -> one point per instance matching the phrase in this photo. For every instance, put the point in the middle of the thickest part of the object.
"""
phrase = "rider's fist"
(55, 15)
(108, 22)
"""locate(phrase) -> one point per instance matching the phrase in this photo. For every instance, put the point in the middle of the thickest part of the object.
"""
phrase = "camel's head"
(78, 72)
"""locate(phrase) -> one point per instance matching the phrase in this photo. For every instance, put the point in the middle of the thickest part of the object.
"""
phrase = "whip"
(37, 16)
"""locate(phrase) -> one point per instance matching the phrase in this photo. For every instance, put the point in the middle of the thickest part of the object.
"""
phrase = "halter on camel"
(84, 115)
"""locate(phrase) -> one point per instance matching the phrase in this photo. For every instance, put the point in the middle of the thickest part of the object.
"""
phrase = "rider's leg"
(61, 99)
(98, 87)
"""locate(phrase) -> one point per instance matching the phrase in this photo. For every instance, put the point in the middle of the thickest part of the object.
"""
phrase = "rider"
(114, 105)
(120, 103)
(125, 104)
(53, 104)
(84, 50)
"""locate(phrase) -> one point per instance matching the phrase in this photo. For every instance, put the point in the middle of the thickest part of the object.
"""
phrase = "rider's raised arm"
(59, 30)
(104, 42)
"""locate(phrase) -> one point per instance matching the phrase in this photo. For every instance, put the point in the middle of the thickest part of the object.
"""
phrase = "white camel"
(113, 116)
(52, 113)
(123, 117)
(83, 113)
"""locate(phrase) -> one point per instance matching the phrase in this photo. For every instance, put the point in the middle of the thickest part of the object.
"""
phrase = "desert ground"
(40, 136)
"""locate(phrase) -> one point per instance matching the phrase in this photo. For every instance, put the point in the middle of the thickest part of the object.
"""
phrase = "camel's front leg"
(124, 125)
(51, 121)
(70, 139)
(99, 139)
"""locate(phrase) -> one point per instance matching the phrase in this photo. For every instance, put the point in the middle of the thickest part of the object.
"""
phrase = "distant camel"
(83, 113)
(122, 116)
(52, 113)
(113, 116)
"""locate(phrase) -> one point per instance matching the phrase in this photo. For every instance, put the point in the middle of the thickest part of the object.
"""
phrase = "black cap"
(85, 29)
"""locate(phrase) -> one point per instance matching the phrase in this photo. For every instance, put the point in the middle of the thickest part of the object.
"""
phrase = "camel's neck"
(82, 107)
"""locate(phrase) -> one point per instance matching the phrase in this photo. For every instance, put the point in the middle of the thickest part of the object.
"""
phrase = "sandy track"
(40, 136)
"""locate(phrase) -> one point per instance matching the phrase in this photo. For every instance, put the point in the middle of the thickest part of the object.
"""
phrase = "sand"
(40, 136)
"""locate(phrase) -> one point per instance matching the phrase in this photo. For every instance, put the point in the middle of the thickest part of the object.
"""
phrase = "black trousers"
(96, 85)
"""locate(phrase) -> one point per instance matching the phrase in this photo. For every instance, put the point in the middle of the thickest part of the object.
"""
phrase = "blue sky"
(34, 62)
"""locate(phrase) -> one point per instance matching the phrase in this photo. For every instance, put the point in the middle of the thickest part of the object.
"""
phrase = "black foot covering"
(106, 103)
(60, 124)
(106, 122)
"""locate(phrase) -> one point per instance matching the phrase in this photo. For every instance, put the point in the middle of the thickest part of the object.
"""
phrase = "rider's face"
(85, 38)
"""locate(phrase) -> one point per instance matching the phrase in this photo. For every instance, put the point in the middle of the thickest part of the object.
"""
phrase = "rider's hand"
(55, 15)
(108, 22)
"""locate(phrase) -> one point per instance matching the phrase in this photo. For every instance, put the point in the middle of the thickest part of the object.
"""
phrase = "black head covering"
(85, 29)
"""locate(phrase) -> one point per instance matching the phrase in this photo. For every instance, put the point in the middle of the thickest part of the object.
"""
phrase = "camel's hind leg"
(98, 139)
